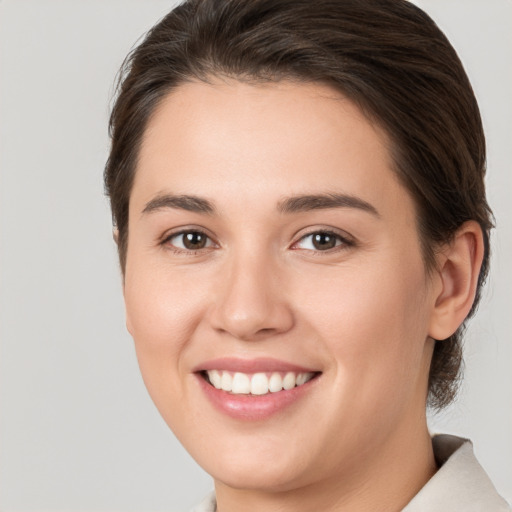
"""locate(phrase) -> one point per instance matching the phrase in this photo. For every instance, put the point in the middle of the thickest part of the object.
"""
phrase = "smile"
(260, 383)
(254, 390)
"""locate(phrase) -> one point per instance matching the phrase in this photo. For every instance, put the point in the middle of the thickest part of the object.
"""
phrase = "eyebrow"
(293, 204)
(180, 202)
(306, 203)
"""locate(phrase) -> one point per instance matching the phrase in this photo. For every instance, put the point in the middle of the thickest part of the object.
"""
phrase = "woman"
(298, 194)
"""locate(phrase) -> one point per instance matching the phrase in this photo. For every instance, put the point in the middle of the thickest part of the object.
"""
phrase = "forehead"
(225, 137)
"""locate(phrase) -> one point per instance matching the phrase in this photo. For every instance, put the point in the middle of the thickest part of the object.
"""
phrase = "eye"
(322, 241)
(191, 240)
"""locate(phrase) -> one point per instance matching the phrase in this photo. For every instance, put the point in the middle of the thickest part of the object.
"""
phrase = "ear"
(458, 270)
(115, 236)
(129, 327)
(128, 320)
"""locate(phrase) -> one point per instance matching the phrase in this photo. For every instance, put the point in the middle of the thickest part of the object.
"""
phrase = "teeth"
(275, 383)
(215, 379)
(301, 379)
(226, 381)
(241, 384)
(258, 383)
(289, 380)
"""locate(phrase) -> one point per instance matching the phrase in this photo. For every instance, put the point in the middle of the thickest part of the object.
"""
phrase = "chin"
(253, 470)
(255, 477)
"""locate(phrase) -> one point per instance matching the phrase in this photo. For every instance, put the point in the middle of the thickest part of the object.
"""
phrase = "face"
(274, 284)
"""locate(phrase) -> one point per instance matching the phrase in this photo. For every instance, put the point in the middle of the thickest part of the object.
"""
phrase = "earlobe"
(128, 321)
(129, 325)
(458, 270)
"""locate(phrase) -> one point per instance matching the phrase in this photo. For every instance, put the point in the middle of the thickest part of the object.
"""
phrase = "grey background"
(77, 429)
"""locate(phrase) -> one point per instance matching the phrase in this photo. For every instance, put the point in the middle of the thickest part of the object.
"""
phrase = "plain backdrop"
(78, 431)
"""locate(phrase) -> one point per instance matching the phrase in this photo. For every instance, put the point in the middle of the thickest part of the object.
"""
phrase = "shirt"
(459, 485)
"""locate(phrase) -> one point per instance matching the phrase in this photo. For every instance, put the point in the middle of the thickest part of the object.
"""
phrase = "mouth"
(256, 389)
(256, 384)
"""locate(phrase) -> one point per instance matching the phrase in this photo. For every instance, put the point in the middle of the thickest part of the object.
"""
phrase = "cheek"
(160, 304)
(162, 312)
(373, 322)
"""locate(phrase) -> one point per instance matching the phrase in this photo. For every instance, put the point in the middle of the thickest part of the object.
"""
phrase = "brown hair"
(387, 56)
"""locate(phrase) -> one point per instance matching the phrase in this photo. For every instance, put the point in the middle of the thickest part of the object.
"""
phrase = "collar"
(460, 484)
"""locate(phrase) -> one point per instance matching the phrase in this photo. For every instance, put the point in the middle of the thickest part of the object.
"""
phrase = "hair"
(387, 56)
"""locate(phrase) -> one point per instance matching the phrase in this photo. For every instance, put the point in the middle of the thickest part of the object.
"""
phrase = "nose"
(251, 304)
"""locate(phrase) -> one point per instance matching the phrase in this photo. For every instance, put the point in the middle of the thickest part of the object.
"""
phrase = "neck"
(387, 479)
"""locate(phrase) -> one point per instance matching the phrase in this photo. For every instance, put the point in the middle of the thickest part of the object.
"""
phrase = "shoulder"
(460, 484)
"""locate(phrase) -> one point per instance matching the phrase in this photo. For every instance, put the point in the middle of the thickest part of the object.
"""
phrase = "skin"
(362, 313)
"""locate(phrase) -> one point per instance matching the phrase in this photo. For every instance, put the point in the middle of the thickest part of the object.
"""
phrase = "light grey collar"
(460, 484)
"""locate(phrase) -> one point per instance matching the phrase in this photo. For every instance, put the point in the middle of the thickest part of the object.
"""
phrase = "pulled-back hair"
(387, 56)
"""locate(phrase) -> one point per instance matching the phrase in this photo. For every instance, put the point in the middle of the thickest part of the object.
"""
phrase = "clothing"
(460, 484)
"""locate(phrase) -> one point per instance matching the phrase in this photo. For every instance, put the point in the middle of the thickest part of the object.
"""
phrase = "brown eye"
(321, 241)
(194, 240)
(189, 241)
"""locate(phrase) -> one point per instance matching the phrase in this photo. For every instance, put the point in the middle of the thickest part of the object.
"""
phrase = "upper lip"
(263, 364)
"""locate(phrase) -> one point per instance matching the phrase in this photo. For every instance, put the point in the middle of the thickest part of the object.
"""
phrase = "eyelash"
(345, 242)
(166, 242)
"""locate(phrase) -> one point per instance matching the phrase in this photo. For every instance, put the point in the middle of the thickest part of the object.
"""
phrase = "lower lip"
(253, 407)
